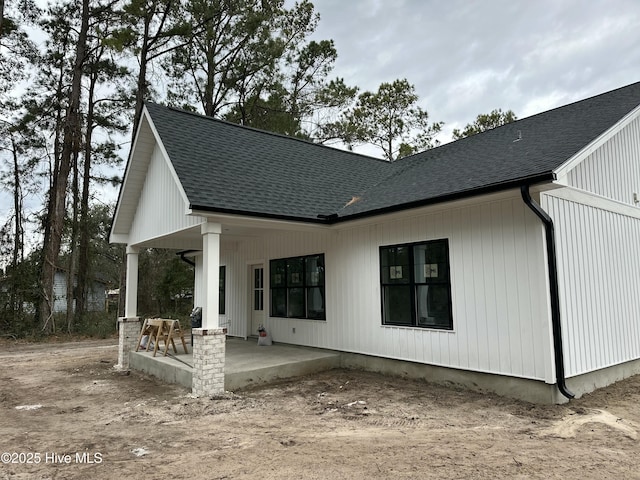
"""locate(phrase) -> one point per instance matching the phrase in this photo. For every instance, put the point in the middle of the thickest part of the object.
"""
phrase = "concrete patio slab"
(246, 363)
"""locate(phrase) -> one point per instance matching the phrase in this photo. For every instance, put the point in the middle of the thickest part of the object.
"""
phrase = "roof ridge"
(264, 132)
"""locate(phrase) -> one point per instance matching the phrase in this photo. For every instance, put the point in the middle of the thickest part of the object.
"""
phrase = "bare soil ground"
(66, 399)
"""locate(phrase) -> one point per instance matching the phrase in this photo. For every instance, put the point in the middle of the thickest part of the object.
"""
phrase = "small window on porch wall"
(297, 287)
(416, 286)
(222, 289)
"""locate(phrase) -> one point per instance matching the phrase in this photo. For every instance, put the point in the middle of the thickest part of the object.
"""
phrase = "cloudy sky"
(467, 57)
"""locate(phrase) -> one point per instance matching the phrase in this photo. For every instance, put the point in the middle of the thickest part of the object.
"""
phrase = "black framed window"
(222, 289)
(258, 289)
(416, 285)
(297, 287)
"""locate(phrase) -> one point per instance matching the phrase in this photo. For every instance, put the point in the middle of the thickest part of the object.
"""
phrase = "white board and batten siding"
(162, 207)
(613, 169)
(598, 270)
(597, 238)
(499, 289)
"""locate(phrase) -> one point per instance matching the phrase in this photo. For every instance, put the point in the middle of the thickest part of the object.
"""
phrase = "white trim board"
(591, 199)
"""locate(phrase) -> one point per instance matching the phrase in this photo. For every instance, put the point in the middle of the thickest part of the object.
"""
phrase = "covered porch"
(210, 368)
(246, 364)
(163, 205)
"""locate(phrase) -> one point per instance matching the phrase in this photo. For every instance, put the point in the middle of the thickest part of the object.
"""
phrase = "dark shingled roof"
(229, 168)
(225, 167)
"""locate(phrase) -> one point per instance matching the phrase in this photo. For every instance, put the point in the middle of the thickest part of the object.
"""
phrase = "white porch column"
(131, 299)
(129, 325)
(211, 274)
(209, 341)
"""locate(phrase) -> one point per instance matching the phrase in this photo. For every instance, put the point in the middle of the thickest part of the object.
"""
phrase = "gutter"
(334, 218)
(553, 289)
(182, 254)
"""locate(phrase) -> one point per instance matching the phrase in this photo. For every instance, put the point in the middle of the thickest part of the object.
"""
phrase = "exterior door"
(257, 298)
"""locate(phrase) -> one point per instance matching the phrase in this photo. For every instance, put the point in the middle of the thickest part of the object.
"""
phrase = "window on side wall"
(297, 287)
(222, 289)
(415, 285)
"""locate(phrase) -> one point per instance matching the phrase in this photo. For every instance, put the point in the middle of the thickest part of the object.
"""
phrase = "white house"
(96, 293)
(505, 261)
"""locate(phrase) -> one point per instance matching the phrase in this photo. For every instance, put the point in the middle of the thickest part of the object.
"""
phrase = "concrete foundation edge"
(533, 391)
(235, 381)
(588, 382)
(156, 367)
(513, 387)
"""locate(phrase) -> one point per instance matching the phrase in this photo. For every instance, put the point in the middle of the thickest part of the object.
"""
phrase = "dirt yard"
(67, 414)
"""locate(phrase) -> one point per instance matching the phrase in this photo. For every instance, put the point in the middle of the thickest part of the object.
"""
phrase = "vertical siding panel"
(468, 320)
(600, 264)
(500, 287)
(613, 169)
(357, 262)
(570, 293)
(525, 246)
(583, 300)
(458, 294)
(449, 342)
(585, 234)
(605, 260)
(619, 336)
(515, 338)
(159, 193)
(537, 299)
(480, 293)
(491, 343)
(632, 266)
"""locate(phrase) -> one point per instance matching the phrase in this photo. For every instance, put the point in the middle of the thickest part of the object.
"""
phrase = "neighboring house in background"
(96, 293)
(443, 264)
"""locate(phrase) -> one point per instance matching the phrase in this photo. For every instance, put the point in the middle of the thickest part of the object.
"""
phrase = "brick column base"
(129, 331)
(208, 361)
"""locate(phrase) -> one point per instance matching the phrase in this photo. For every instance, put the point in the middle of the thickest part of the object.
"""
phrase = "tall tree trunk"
(1, 15)
(73, 253)
(141, 87)
(83, 257)
(58, 194)
(43, 314)
(18, 240)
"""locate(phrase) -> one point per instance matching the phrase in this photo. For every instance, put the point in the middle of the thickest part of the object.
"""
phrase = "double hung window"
(222, 290)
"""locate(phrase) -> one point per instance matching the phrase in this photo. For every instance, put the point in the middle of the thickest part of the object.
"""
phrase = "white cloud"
(469, 57)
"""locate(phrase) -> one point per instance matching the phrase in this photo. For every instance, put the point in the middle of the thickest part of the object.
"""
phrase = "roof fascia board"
(539, 179)
(260, 221)
(125, 179)
(538, 183)
(576, 159)
(425, 209)
(443, 206)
